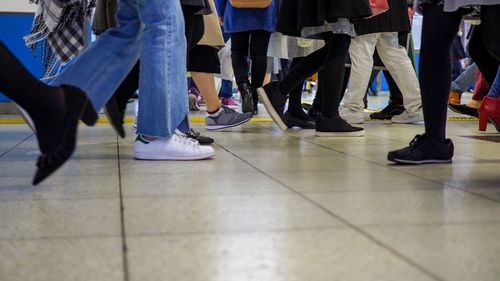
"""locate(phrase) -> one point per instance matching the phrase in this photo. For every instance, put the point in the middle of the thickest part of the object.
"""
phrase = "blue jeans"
(154, 31)
(465, 80)
(495, 88)
(226, 89)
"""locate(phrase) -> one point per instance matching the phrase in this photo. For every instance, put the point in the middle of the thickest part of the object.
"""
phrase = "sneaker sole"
(430, 161)
(220, 127)
(341, 134)
(156, 157)
(270, 109)
(407, 122)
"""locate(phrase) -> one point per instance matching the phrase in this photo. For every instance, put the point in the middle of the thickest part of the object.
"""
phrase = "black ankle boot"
(247, 104)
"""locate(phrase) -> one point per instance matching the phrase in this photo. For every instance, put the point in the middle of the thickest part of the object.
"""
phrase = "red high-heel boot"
(489, 110)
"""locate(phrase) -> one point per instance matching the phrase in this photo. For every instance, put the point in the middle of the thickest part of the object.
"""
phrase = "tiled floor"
(269, 207)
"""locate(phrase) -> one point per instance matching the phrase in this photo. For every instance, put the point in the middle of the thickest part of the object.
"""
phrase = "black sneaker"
(423, 150)
(293, 121)
(336, 127)
(388, 112)
(274, 101)
(203, 140)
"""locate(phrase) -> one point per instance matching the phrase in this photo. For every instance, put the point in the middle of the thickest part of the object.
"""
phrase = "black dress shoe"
(464, 109)
(115, 116)
(294, 121)
(388, 112)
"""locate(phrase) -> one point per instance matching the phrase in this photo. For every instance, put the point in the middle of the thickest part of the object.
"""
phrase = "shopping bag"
(226, 62)
(251, 4)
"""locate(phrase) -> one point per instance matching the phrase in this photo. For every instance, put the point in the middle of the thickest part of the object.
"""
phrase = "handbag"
(378, 7)
(251, 4)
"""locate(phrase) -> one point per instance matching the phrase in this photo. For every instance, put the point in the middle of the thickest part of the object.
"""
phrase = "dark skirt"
(294, 15)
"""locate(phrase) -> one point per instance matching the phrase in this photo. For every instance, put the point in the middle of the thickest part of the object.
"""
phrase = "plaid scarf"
(58, 31)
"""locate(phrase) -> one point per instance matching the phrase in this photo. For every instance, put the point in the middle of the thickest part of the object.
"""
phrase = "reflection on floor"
(270, 206)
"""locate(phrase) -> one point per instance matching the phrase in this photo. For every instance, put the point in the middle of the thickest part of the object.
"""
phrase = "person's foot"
(247, 104)
(423, 150)
(302, 121)
(230, 102)
(274, 102)
(352, 116)
(58, 144)
(464, 109)
(177, 147)
(454, 97)
(226, 118)
(116, 114)
(409, 117)
(195, 135)
(336, 127)
(388, 112)
(313, 113)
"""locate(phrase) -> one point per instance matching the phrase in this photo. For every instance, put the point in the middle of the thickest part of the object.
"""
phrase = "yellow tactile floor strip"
(131, 120)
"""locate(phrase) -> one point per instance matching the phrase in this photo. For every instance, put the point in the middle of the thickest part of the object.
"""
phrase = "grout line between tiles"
(354, 227)
(15, 146)
(126, 271)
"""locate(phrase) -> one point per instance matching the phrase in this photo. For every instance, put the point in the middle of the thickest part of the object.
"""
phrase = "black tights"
(484, 45)
(438, 31)
(329, 61)
(44, 104)
(257, 41)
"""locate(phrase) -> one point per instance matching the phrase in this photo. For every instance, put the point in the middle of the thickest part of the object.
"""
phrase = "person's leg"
(259, 43)
(361, 54)
(438, 31)
(162, 82)
(338, 45)
(295, 96)
(239, 55)
(395, 58)
(226, 89)
(329, 123)
(114, 54)
(462, 83)
(481, 56)
(495, 88)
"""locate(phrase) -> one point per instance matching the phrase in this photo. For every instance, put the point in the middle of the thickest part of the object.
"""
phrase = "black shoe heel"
(76, 103)
(89, 116)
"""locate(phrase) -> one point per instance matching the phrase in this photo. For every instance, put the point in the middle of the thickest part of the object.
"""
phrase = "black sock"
(43, 103)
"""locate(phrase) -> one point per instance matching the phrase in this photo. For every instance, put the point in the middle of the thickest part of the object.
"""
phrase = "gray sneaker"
(227, 118)
(409, 118)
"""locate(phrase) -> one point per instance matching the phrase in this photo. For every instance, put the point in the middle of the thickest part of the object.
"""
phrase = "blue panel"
(17, 26)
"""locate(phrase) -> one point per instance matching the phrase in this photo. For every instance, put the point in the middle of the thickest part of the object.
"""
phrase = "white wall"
(17, 6)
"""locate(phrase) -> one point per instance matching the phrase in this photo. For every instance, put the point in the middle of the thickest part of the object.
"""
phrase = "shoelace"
(183, 139)
(416, 141)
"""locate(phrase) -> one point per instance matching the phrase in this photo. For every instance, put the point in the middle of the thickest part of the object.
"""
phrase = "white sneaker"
(351, 116)
(177, 147)
(409, 118)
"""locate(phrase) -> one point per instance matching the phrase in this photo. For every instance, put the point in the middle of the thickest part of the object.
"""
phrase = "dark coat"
(394, 20)
(297, 14)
